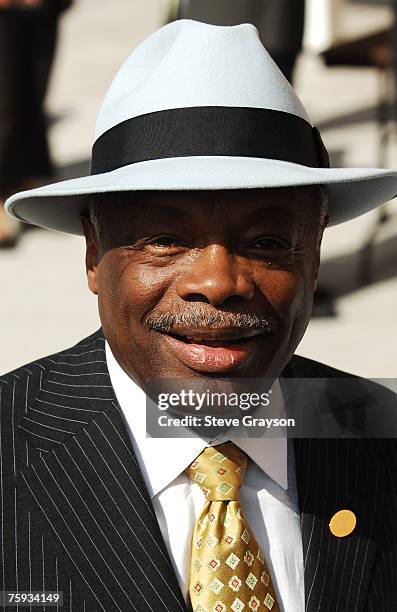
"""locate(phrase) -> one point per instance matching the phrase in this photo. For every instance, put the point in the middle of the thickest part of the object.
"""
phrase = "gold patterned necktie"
(227, 570)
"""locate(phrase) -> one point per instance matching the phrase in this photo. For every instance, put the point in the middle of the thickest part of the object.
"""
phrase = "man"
(203, 216)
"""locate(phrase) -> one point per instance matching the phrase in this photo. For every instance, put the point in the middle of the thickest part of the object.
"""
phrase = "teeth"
(197, 339)
(212, 338)
(213, 341)
(202, 338)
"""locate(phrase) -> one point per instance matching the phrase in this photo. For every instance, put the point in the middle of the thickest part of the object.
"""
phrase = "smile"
(216, 350)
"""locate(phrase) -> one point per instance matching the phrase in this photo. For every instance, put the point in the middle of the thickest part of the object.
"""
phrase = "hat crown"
(191, 64)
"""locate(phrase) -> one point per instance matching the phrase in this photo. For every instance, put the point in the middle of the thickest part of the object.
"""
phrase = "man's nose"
(215, 276)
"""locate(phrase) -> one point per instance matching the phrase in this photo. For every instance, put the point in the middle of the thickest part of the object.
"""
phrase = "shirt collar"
(164, 459)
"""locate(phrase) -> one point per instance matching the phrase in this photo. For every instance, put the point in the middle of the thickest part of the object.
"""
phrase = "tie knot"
(219, 470)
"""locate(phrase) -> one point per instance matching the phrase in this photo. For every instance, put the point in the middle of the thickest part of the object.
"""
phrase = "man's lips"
(213, 350)
(220, 334)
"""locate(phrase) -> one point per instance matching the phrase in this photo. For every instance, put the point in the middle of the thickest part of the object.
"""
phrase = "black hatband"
(209, 130)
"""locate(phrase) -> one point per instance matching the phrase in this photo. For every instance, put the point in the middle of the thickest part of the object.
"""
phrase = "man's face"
(195, 284)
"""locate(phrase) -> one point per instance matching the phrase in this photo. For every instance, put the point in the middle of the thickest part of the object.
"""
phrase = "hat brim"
(58, 206)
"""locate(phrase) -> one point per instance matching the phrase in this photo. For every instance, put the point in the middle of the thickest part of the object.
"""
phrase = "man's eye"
(272, 244)
(165, 241)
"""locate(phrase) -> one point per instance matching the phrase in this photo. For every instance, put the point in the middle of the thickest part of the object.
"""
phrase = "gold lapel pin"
(342, 523)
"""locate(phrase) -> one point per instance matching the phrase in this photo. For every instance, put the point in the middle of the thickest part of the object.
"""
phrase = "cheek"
(127, 290)
(292, 298)
(282, 289)
(290, 295)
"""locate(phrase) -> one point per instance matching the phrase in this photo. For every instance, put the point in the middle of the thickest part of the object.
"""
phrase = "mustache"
(201, 318)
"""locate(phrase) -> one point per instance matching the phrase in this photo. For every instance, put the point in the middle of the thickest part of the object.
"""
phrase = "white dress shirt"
(268, 494)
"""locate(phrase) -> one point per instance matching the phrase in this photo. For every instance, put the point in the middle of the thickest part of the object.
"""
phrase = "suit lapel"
(89, 487)
(332, 475)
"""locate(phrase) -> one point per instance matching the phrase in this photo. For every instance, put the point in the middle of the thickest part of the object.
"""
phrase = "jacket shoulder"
(303, 367)
(368, 407)
(20, 386)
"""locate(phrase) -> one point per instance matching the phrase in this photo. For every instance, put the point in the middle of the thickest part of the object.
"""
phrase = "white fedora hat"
(198, 106)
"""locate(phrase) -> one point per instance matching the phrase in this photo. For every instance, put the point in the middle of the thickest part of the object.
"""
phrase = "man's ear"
(318, 250)
(92, 255)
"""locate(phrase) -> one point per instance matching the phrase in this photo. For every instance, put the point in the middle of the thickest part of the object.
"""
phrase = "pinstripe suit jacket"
(76, 515)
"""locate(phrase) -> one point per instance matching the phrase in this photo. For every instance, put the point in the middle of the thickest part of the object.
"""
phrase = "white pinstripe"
(64, 547)
(43, 562)
(304, 505)
(49, 426)
(39, 365)
(317, 561)
(122, 515)
(57, 579)
(66, 525)
(39, 436)
(78, 375)
(91, 342)
(30, 560)
(54, 382)
(97, 399)
(81, 354)
(55, 416)
(2, 497)
(127, 498)
(310, 538)
(95, 546)
(100, 529)
(10, 374)
(328, 546)
(74, 365)
(26, 393)
(150, 509)
(357, 548)
(382, 570)
(13, 427)
(66, 407)
(345, 560)
(16, 539)
(15, 489)
(338, 543)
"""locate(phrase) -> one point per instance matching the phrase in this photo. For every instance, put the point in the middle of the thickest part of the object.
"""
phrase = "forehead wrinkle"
(273, 210)
(190, 211)
(219, 211)
(289, 204)
(222, 213)
(164, 210)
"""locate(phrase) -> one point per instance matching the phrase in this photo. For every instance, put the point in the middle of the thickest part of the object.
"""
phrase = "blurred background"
(339, 55)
